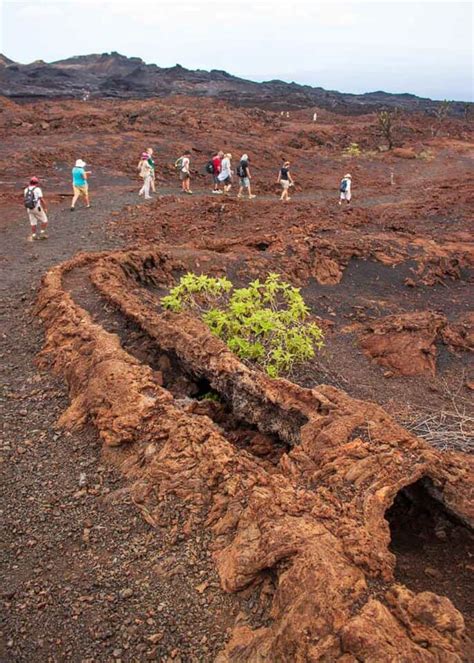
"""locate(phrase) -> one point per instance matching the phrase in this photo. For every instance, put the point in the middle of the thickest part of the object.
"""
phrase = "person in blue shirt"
(79, 183)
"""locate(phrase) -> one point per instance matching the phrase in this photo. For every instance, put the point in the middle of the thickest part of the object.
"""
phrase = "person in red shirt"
(216, 162)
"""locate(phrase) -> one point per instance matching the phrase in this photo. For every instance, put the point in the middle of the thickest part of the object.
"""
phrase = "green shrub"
(352, 151)
(266, 322)
(426, 155)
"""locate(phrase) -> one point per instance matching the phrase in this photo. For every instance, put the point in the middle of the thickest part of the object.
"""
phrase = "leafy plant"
(426, 155)
(266, 322)
(352, 151)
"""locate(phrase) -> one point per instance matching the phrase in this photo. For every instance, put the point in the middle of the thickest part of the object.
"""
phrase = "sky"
(422, 47)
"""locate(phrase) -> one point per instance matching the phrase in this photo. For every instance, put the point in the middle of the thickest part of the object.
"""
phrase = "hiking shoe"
(252, 196)
(239, 195)
(215, 191)
(190, 192)
(43, 235)
(32, 238)
(72, 209)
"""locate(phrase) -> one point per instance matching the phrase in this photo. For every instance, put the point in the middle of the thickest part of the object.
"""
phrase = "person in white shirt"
(36, 207)
(225, 176)
(146, 172)
(345, 189)
(185, 172)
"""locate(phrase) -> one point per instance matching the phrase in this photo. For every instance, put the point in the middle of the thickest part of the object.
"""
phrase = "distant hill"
(113, 75)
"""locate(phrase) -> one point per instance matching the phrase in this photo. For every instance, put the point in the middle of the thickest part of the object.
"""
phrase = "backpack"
(178, 164)
(241, 171)
(209, 167)
(30, 199)
(343, 186)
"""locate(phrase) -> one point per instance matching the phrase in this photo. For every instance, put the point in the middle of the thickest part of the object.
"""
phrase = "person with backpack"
(243, 171)
(213, 167)
(285, 179)
(80, 185)
(225, 176)
(345, 189)
(183, 166)
(145, 172)
(36, 208)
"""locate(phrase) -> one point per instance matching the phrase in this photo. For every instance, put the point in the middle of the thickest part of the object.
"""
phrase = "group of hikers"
(219, 167)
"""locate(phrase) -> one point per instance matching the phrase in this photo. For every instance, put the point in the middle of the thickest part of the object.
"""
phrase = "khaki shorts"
(285, 184)
(37, 215)
(81, 190)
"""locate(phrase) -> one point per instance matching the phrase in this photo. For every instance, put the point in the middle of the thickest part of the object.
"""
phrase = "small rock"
(433, 573)
(155, 637)
(126, 593)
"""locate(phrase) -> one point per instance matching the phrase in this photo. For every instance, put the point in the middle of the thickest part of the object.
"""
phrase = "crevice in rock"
(433, 547)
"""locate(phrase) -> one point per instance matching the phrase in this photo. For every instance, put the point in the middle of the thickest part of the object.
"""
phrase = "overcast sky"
(420, 47)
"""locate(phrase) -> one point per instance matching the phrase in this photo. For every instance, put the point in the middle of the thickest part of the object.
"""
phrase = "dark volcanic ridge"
(114, 75)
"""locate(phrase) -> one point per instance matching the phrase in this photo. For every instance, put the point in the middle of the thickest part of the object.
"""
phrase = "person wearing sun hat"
(36, 207)
(345, 189)
(80, 186)
(146, 172)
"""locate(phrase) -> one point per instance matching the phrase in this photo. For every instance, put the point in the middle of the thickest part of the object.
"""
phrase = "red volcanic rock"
(459, 335)
(405, 343)
(316, 518)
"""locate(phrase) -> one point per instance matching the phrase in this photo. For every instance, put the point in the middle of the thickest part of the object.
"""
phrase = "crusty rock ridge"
(316, 517)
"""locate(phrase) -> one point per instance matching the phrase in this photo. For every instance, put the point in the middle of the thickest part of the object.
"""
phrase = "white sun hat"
(80, 163)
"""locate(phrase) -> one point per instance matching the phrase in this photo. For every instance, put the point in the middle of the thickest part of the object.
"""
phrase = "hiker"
(216, 162)
(315, 117)
(243, 171)
(183, 165)
(36, 208)
(80, 186)
(146, 172)
(285, 179)
(345, 189)
(225, 176)
(151, 161)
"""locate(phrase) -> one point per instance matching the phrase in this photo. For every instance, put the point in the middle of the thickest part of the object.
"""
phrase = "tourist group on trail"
(219, 168)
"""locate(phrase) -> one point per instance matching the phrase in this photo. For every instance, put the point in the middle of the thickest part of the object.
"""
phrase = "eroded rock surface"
(315, 518)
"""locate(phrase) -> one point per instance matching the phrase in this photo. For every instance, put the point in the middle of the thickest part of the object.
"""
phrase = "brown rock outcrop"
(405, 342)
(316, 518)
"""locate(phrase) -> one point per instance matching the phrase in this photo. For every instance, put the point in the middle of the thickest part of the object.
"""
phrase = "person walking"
(36, 207)
(184, 166)
(285, 179)
(146, 172)
(243, 171)
(345, 189)
(80, 185)
(216, 169)
(225, 176)
(151, 161)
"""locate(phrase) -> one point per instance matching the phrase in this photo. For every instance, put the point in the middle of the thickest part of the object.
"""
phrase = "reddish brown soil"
(142, 523)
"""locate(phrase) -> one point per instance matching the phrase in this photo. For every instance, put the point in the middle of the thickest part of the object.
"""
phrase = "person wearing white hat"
(146, 172)
(80, 186)
(345, 189)
(243, 171)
